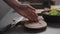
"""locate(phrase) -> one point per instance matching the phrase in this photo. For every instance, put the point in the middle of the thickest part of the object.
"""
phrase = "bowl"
(51, 20)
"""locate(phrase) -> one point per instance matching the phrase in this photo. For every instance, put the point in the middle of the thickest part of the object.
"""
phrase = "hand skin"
(47, 9)
(24, 10)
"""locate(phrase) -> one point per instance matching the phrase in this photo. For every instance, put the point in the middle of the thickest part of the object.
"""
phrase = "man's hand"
(28, 12)
(24, 9)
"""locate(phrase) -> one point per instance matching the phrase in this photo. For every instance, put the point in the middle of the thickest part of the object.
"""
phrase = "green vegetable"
(53, 12)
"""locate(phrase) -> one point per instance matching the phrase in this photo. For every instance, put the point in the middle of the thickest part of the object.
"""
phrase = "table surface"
(8, 19)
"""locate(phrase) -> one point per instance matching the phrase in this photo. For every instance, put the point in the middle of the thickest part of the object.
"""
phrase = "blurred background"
(4, 9)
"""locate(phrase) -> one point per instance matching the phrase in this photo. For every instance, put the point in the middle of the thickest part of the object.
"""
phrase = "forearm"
(13, 3)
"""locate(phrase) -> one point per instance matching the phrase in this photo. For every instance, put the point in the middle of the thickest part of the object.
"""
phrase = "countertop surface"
(12, 15)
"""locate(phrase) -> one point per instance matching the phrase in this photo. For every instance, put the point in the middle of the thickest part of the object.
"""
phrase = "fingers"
(28, 12)
(31, 7)
(33, 15)
(28, 6)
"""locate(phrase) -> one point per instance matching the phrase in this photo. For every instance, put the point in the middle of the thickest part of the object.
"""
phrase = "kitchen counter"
(12, 15)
